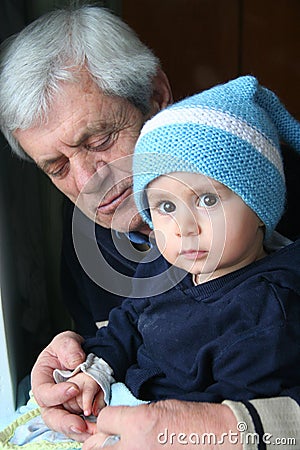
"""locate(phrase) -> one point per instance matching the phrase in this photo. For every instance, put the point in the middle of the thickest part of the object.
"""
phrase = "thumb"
(67, 347)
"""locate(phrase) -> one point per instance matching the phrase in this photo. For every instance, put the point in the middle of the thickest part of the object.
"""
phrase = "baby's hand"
(89, 400)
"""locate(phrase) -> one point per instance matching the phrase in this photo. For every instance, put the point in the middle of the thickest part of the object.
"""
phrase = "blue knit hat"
(230, 133)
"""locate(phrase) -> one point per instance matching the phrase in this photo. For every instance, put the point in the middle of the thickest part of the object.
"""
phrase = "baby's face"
(201, 226)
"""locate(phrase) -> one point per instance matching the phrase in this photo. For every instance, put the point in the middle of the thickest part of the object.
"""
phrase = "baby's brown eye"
(208, 200)
(167, 207)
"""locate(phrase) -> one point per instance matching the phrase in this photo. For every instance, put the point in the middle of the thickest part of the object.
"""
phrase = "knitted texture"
(230, 133)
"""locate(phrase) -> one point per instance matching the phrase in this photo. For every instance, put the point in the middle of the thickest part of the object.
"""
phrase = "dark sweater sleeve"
(261, 362)
(264, 367)
(118, 343)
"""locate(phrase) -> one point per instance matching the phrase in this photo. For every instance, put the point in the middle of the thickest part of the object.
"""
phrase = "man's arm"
(63, 352)
(172, 424)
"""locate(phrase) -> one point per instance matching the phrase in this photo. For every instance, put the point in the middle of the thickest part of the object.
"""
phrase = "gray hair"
(54, 48)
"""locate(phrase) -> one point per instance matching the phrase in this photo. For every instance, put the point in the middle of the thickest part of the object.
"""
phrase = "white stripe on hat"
(222, 121)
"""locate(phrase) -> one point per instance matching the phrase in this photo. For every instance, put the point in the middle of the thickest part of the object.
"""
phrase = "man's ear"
(161, 94)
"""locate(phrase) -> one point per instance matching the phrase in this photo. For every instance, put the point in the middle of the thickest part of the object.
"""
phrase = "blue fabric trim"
(137, 238)
(257, 425)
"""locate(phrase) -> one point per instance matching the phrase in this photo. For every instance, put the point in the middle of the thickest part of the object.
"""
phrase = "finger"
(95, 442)
(44, 389)
(72, 406)
(43, 368)
(67, 348)
(88, 395)
(62, 421)
(98, 403)
(91, 427)
(51, 394)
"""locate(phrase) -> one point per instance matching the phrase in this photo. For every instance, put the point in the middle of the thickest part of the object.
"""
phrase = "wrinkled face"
(85, 148)
(201, 226)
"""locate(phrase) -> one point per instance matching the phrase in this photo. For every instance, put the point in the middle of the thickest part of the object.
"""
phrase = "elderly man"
(75, 89)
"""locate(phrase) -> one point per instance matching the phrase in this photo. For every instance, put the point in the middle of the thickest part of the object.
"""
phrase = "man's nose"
(87, 173)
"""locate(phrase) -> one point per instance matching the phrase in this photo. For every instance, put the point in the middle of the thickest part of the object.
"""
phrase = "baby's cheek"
(161, 239)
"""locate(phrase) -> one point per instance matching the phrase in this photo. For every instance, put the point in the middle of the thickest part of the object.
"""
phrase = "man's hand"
(63, 352)
(169, 424)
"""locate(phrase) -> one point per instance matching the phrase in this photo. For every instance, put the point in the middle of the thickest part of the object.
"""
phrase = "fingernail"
(76, 430)
(76, 358)
(72, 391)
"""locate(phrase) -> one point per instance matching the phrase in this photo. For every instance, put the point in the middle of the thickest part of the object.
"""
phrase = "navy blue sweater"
(236, 337)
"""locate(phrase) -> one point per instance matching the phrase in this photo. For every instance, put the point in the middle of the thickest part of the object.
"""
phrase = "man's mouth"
(111, 203)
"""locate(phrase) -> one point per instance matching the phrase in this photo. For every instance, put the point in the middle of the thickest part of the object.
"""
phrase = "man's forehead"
(73, 120)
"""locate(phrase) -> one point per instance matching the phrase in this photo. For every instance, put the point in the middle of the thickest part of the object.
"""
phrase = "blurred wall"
(203, 42)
